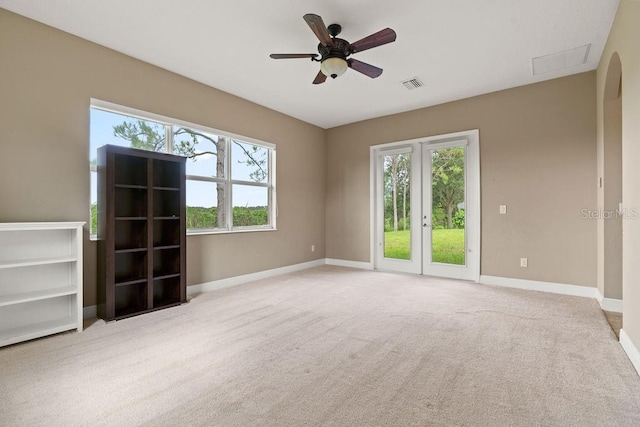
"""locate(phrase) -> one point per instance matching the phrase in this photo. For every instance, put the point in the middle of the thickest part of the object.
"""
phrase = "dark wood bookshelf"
(141, 231)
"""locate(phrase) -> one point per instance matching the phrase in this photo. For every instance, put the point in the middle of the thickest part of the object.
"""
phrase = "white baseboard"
(91, 311)
(245, 278)
(558, 288)
(630, 349)
(583, 291)
(609, 304)
(533, 285)
(350, 264)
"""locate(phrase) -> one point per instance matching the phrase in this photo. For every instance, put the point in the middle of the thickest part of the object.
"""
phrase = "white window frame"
(168, 124)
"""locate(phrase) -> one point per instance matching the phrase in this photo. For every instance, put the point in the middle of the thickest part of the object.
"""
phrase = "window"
(230, 180)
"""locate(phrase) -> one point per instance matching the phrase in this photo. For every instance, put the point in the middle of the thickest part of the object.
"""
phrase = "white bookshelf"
(40, 279)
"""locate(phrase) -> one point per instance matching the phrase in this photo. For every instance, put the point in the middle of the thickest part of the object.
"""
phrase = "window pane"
(118, 129)
(205, 205)
(249, 162)
(205, 152)
(93, 226)
(250, 206)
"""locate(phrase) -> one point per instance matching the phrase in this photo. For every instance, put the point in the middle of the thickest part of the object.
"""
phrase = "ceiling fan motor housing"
(339, 49)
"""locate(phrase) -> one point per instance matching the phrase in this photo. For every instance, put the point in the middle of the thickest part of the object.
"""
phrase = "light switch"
(503, 209)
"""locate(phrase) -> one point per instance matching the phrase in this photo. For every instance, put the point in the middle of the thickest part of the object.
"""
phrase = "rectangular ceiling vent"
(413, 83)
(561, 60)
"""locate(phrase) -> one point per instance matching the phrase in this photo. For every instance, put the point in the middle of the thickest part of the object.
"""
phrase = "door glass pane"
(447, 207)
(397, 206)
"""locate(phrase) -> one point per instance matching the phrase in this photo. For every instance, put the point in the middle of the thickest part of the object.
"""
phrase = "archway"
(612, 207)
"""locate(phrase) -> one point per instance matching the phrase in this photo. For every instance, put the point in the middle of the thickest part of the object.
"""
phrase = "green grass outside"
(448, 245)
(397, 244)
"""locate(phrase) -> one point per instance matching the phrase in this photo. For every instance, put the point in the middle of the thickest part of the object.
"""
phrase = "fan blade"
(293, 55)
(320, 78)
(364, 68)
(319, 29)
(374, 40)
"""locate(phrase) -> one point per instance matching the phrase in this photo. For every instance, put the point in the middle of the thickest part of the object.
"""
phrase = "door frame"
(472, 233)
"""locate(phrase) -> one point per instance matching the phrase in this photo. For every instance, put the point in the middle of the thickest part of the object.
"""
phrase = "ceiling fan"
(334, 52)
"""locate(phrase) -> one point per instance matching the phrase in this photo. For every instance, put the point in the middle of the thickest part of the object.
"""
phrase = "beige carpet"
(333, 346)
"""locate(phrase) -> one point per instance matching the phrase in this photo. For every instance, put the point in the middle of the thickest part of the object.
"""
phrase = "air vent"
(561, 60)
(412, 84)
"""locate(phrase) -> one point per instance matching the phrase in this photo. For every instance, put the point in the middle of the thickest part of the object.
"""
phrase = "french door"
(397, 241)
(427, 206)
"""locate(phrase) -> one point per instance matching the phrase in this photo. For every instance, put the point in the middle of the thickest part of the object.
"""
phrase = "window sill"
(234, 231)
(94, 238)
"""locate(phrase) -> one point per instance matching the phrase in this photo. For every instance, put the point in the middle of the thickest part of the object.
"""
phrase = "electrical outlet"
(313, 248)
(503, 209)
(523, 262)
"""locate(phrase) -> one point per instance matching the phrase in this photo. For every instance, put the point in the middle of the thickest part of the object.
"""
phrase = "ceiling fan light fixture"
(333, 51)
(333, 66)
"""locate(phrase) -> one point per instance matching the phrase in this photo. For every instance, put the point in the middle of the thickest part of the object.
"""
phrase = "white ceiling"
(458, 48)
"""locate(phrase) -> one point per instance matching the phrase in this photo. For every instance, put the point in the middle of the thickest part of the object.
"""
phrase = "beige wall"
(537, 155)
(47, 79)
(611, 198)
(623, 40)
(538, 150)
